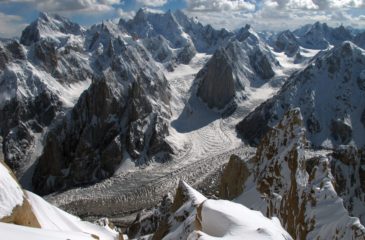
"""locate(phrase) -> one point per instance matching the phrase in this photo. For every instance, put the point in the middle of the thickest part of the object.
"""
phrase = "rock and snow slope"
(330, 95)
(192, 216)
(281, 180)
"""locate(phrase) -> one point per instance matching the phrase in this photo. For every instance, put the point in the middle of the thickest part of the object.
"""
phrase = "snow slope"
(11, 195)
(53, 222)
(52, 218)
(227, 220)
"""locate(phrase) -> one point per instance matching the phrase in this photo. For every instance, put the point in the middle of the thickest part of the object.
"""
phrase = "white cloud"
(10, 25)
(314, 4)
(90, 6)
(219, 5)
(275, 14)
(123, 14)
(152, 3)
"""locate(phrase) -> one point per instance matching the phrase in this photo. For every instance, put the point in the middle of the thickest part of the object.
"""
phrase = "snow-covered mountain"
(297, 186)
(321, 36)
(172, 37)
(330, 95)
(244, 62)
(37, 82)
(109, 118)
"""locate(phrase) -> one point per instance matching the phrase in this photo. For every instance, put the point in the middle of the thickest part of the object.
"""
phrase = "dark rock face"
(234, 176)
(363, 118)
(256, 124)
(19, 120)
(287, 42)
(231, 69)
(360, 40)
(4, 59)
(114, 115)
(313, 125)
(16, 50)
(87, 146)
(341, 132)
(14, 149)
(349, 177)
(186, 54)
(217, 86)
(261, 65)
(47, 54)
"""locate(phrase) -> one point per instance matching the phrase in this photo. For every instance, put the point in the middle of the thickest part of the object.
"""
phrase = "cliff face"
(299, 190)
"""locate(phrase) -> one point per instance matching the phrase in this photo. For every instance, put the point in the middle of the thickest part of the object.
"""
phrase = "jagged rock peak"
(49, 27)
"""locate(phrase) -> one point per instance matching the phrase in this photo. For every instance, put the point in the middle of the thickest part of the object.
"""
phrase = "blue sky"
(261, 14)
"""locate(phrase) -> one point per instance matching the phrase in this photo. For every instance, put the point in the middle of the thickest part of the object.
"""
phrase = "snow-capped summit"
(55, 28)
(321, 36)
(329, 92)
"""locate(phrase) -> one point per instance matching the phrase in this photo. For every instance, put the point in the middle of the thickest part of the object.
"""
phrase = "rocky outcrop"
(192, 216)
(15, 208)
(296, 189)
(183, 212)
(328, 94)
(349, 179)
(233, 178)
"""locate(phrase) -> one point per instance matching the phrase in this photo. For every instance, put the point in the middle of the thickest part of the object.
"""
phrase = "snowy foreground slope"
(192, 216)
(24, 215)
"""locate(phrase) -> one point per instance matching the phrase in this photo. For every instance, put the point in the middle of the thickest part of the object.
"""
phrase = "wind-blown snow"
(15, 232)
(228, 220)
(11, 195)
(54, 219)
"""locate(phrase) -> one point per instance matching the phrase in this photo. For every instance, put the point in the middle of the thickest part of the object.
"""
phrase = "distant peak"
(43, 15)
(141, 14)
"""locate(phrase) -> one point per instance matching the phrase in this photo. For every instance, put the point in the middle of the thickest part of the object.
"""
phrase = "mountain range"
(108, 120)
